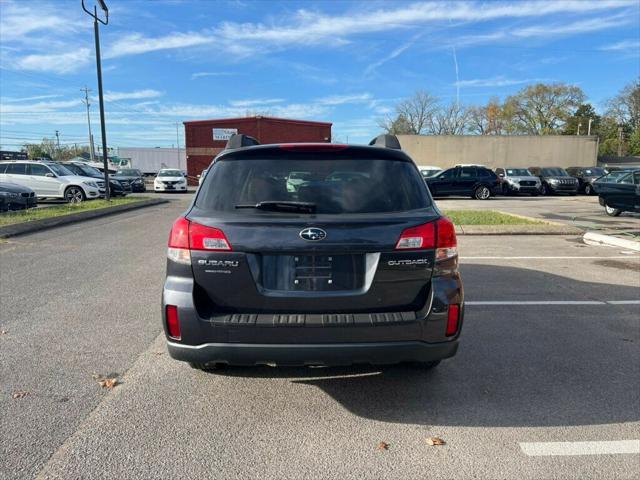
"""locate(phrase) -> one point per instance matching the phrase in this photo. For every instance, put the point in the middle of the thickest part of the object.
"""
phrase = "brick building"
(206, 138)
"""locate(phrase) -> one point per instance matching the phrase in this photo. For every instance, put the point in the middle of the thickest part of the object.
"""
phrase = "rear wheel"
(612, 212)
(482, 193)
(74, 195)
(588, 189)
(545, 189)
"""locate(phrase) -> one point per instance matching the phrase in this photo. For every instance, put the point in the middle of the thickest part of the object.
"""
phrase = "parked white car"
(201, 176)
(50, 180)
(170, 180)
(429, 171)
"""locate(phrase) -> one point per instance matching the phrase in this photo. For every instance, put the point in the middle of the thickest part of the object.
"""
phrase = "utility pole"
(88, 104)
(103, 127)
(619, 140)
(578, 132)
(178, 140)
(589, 128)
(58, 144)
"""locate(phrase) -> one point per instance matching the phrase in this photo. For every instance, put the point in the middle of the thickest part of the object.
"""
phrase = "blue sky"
(349, 63)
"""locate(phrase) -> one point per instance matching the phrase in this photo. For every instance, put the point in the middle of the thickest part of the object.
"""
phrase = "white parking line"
(555, 302)
(538, 449)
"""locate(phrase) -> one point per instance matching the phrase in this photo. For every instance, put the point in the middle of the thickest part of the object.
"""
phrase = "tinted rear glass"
(554, 172)
(333, 185)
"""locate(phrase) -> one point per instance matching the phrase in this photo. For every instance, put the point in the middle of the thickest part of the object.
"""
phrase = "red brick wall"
(201, 148)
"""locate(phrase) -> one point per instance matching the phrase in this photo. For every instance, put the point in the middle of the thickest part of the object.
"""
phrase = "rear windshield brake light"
(313, 147)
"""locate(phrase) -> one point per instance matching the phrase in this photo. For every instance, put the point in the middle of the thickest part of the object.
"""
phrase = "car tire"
(545, 190)
(74, 194)
(612, 212)
(482, 192)
(588, 189)
(207, 367)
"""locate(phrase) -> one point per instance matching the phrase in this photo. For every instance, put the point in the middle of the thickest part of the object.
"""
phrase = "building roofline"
(256, 117)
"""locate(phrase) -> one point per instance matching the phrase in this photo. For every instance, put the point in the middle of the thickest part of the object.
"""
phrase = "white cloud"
(210, 74)
(39, 107)
(631, 46)
(28, 99)
(255, 102)
(344, 99)
(18, 21)
(309, 27)
(135, 44)
(135, 95)
(395, 53)
(499, 81)
(573, 28)
(55, 62)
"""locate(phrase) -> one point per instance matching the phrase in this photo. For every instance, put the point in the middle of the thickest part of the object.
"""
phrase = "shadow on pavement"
(516, 366)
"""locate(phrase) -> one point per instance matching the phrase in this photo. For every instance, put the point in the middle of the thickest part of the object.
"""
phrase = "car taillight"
(440, 235)
(173, 321)
(446, 244)
(186, 236)
(453, 318)
(202, 237)
(420, 237)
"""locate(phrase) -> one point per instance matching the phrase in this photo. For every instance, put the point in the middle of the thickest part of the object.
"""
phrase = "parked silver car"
(518, 180)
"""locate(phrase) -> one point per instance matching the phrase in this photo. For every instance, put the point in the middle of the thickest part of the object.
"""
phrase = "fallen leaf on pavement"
(20, 394)
(96, 376)
(108, 383)
(383, 446)
(433, 441)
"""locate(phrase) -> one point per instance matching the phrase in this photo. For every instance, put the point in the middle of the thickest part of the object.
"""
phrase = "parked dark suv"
(475, 181)
(354, 265)
(586, 176)
(555, 180)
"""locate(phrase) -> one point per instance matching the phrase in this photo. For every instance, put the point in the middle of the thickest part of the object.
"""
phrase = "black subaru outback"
(312, 254)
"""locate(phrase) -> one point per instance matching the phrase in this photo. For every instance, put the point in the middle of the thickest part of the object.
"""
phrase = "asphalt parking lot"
(550, 353)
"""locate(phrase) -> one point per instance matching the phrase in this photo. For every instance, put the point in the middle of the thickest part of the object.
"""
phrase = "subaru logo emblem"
(313, 234)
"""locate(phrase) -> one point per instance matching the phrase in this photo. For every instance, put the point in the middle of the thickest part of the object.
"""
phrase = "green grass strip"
(21, 216)
(488, 217)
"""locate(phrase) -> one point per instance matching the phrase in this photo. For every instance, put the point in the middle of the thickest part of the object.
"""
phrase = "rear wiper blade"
(281, 206)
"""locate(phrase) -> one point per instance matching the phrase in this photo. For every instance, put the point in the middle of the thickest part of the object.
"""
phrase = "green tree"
(581, 116)
(542, 109)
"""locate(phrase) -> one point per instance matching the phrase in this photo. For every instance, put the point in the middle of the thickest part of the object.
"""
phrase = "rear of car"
(312, 254)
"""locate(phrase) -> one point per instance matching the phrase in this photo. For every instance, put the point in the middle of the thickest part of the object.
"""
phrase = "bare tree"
(413, 115)
(452, 119)
(488, 119)
(625, 107)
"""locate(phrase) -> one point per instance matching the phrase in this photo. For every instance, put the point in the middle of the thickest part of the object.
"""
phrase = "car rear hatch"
(298, 235)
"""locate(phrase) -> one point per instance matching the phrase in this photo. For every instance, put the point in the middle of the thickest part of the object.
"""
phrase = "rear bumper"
(313, 354)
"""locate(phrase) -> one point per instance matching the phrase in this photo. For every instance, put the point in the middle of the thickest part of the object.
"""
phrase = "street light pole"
(589, 128)
(578, 132)
(103, 128)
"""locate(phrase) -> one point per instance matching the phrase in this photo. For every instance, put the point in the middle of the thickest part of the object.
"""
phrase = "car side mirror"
(49, 174)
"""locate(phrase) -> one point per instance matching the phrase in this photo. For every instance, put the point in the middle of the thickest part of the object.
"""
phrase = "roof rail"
(238, 140)
(386, 141)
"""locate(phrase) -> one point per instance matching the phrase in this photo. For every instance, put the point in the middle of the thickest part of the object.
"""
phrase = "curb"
(47, 223)
(593, 238)
(541, 229)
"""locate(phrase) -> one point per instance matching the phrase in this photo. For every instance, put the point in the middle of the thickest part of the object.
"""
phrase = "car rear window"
(333, 185)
